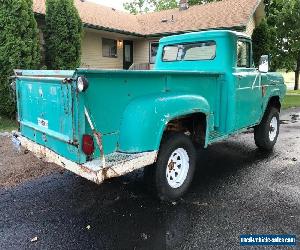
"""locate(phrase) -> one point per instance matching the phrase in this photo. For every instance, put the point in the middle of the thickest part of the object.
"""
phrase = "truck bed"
(51, 111)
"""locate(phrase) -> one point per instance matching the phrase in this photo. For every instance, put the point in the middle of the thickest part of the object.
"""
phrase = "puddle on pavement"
(294, 118)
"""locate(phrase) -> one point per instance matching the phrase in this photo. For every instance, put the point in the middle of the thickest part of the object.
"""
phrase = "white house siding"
(141, 51)
(91, 54)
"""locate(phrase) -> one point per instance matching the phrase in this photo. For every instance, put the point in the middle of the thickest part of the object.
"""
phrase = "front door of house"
(127, 54)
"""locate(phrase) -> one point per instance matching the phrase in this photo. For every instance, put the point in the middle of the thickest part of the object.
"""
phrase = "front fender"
(279, 90)
(145, 118)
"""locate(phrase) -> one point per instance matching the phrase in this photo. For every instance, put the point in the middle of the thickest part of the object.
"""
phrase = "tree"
(261, 41)
(143, 6)
(283, 19)
(63, 34)
(197, 2)
(264, 40)
(273, 12)
(19, 47)
(289, 34)
(164, 5)
(282, 34)
(137, 6)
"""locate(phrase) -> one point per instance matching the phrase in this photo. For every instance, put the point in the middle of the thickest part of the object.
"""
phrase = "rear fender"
(145, 118)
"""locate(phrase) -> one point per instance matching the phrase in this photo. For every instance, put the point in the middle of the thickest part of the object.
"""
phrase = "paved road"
(237, 190)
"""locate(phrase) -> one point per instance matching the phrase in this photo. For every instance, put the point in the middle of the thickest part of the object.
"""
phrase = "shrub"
(63, 33)
(19, 47)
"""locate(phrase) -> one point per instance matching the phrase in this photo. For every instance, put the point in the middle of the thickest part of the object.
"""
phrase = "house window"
(243, 54)
(153, 51)
(109, 48)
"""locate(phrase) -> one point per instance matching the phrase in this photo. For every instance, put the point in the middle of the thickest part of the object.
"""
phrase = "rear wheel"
(172, 174)
(266, 133)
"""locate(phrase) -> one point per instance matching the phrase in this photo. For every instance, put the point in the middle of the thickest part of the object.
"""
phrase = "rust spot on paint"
(264, 90)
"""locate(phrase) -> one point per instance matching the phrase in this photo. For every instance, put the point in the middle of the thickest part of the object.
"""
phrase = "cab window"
(243, 54)
(197, 51)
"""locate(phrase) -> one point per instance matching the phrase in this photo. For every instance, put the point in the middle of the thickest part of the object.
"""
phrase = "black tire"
(156, 175)
(262, 132)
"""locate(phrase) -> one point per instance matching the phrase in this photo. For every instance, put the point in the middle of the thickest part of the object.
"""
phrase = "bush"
(63, 33)
(261, 41)
(19, 47)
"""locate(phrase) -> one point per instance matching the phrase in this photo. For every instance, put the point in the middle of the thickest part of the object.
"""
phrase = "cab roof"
(203, 35)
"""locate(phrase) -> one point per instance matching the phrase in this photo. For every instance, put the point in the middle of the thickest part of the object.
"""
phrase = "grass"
(293, 92)
(292, 99)
(7, 124)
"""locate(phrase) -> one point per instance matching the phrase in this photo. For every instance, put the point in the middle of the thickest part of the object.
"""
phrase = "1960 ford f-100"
(106, 123)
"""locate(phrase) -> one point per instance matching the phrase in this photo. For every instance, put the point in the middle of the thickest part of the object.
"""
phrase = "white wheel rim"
(177, 168)
(273, 129)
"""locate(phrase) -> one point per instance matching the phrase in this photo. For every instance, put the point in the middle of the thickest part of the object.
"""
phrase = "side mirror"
(264, 64)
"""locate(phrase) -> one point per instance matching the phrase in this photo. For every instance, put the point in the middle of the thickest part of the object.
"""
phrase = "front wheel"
(172, 174)
(266, 133)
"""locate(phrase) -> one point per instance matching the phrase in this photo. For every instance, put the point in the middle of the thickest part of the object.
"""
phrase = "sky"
(117, 4)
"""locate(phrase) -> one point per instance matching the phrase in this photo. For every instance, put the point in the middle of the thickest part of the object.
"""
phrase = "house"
(116, 39)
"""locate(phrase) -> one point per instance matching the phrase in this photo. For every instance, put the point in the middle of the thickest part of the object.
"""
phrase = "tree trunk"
(297, 72)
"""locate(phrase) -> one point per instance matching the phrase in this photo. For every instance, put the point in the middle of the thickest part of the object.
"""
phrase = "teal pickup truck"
(106, 123)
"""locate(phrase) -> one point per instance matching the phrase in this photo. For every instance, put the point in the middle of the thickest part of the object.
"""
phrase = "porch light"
(120, 43)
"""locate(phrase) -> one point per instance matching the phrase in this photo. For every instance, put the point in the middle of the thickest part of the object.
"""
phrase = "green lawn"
(292, 99)
(7, 124)
(294, 92)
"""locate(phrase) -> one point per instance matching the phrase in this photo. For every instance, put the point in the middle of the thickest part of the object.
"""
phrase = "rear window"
(190, 51)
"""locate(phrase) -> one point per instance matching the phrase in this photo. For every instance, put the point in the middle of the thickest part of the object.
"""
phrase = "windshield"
(190, 51)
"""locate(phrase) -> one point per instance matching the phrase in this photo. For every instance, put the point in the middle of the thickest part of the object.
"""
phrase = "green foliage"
(63, 33)
(138, 6)
(284, 18)
(19, 47)
(289, 32)
(261, 41)
(143, 6)
(197, 2)
(164, 5)
(7, 124)
(280, 36)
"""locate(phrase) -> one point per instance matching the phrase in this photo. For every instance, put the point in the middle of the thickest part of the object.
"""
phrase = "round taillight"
(88, 146)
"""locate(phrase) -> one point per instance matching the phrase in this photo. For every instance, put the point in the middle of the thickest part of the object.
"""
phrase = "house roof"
(222, 14)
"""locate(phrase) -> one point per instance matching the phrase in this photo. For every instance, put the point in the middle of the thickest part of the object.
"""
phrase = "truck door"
(248, 87)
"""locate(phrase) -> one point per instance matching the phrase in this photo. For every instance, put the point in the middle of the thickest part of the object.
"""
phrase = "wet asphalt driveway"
(237, 190)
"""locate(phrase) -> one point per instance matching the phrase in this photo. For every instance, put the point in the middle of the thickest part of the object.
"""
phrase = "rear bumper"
(117, 164)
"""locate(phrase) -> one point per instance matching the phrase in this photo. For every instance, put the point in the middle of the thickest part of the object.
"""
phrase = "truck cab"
(106, 123)
(244, 95)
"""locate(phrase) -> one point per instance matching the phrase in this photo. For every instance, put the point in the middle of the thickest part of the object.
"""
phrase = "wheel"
(266, 133)
(172, 174)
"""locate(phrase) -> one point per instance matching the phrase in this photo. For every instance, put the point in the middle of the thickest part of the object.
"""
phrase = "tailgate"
(47, 110)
